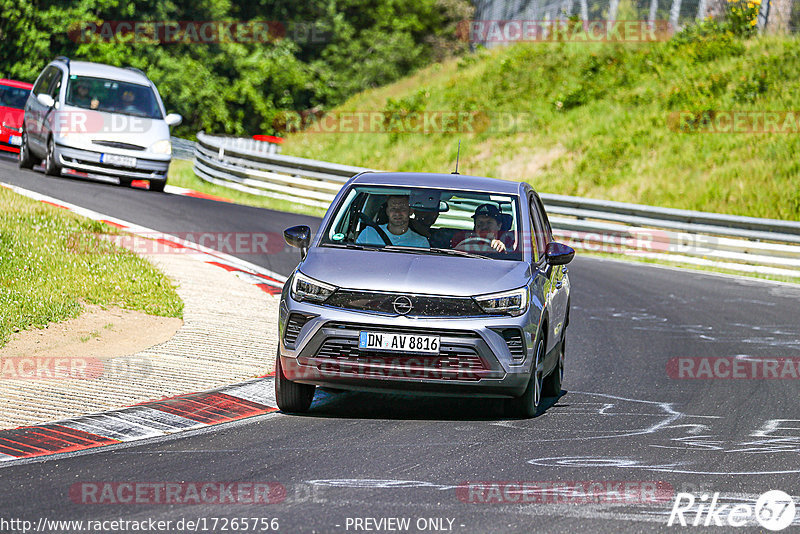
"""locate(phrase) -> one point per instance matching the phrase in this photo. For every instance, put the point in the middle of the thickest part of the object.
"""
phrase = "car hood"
(84, 127)
(375, 270)
(11, 116)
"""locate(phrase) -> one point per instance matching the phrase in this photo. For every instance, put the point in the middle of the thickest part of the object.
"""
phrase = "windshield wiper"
(452, 252)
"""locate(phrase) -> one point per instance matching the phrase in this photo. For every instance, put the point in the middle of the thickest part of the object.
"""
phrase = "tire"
(157, 185)
(291, 396)
(527, 405)
(25, 159)
(51, 167)
(551, 387)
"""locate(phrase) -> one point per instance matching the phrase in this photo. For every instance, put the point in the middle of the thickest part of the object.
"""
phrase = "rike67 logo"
(774, 510)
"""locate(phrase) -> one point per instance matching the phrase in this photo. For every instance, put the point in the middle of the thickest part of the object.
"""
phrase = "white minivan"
(95, 120)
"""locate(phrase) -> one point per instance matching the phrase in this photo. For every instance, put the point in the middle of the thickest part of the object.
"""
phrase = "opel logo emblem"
(402, 305)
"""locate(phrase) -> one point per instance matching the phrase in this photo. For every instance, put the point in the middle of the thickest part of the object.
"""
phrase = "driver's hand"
(498, 245)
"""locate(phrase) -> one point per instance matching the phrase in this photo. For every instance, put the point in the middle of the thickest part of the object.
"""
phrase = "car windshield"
(427, 221)
(113, 96)
(13, 97)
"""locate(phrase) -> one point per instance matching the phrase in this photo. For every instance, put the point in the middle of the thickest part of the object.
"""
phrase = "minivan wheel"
(25, 160)
(51, 168)
(551, 387)
(291, 396)
(527, 405)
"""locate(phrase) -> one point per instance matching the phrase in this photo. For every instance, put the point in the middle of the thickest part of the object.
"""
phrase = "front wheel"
(291, 396)
(25, 159)
(527, 405)
(51, 167)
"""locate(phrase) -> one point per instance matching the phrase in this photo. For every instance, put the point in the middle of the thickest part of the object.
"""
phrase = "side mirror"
(46, 100)
(558, 253)
(173, 119)
(298, 237)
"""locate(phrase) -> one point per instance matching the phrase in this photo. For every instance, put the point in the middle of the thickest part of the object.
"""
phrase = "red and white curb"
(153, 418)
(142, 421)
(268, 281)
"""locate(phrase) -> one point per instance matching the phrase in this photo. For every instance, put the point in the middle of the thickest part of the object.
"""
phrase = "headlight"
(310, 290)
(513, 302)
(161, 147)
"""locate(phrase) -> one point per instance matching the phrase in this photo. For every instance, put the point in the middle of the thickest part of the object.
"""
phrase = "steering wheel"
(372, 224)
(476, 244)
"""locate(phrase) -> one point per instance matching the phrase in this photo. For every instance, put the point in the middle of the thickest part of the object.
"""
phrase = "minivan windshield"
(113, 96)
(427, 221)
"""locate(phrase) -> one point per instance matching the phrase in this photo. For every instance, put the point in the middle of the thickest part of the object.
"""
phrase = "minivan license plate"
(119, 161)
(398, 342)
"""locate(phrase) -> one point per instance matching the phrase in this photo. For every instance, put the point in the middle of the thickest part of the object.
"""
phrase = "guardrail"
(745, 244)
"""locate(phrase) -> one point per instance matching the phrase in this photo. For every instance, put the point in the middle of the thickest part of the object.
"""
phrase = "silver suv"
(426, 283)
(98, 121)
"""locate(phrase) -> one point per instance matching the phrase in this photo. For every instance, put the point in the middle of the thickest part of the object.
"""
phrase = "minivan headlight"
(161, 147)
(514, 302)
(307, 289)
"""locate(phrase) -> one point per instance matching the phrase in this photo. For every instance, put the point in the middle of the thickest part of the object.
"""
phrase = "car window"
(55, 86)
(548, 231)
(43, 83)
(539, 234)
(13, 97)
(486, 224)
(113, 96)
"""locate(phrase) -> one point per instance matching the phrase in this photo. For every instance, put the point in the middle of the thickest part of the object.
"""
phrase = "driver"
(488, 221)
(398, 211)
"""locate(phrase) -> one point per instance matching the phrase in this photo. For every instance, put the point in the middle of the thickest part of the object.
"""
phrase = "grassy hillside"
(600, 122)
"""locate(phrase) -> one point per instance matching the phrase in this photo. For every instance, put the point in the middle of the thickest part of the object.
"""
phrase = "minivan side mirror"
(46, 100)
(173, 119)
(558, 253)
(299, 237)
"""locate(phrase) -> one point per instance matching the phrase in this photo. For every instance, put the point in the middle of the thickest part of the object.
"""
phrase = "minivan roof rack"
(140, 71)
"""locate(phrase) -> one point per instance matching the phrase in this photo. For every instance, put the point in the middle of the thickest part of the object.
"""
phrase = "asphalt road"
(621, 418)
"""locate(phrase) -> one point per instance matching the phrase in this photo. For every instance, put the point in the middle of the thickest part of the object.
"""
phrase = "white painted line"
(110, 425)
(157, 419)
(260, 390)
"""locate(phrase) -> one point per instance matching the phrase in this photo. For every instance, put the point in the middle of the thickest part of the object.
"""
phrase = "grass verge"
(45, 277)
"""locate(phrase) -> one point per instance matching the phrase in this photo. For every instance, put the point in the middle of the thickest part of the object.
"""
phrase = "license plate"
(119, 161)
(398, 342)
(15, 140)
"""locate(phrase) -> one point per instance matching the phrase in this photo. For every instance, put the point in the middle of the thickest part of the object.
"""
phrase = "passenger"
(129, 103)
(488, 223)
(81, 97)
(397, 230)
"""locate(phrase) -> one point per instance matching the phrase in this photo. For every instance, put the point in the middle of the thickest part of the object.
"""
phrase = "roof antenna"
(457, 155)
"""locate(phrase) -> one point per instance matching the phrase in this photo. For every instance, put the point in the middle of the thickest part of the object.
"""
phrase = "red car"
(13, 95)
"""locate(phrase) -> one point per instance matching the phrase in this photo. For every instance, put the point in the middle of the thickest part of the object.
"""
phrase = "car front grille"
(421, 305)
(454, 362)
(117, 144)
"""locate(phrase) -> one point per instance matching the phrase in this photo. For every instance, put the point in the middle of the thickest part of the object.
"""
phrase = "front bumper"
(10, 141)
(89, 162)
(475, 359)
